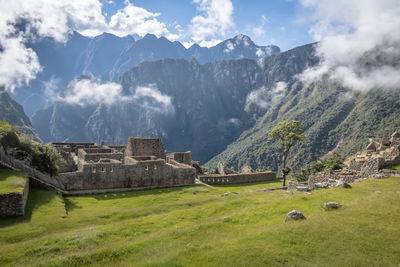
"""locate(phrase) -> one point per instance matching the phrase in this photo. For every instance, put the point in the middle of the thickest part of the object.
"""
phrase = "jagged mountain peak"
(150, 36)
(107, 56)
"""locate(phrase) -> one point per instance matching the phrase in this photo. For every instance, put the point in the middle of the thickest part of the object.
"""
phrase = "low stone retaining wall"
(13, 204)
(21, 166)
(356, 170)
(347, 176)
(238, 178)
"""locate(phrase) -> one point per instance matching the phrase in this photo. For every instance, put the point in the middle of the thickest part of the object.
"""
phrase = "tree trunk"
(284, 167)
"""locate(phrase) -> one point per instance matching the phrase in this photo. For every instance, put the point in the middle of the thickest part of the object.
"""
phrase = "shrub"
(304, 173)
(25, 144)
(333, 162)
(46, 158)
(8, 135)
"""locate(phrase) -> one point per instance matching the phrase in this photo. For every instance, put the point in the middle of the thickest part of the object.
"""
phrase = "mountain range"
(221, 110)
(107, 56)
(13, 113)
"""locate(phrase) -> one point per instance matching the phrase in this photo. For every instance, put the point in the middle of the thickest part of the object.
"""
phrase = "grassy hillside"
(331, 115)
(12, 181)
(174, 227)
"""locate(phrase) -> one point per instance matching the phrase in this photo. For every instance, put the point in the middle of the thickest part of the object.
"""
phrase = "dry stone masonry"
(13, 203)
(142, 163)
(224, 175)
(372, 163)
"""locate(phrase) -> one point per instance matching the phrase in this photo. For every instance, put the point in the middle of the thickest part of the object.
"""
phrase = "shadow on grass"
(36, 198)
(70, 204)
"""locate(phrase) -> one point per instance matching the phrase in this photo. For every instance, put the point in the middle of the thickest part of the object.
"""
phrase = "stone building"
(142, 163)
(372, 164)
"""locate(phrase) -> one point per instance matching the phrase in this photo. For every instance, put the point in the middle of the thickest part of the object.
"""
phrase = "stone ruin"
(142, 163)
(224, 175)
(362, 166)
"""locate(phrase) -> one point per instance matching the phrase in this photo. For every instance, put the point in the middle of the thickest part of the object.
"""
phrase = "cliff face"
(107, 56)
(13, 113)
(333, 117)
(223, 110)
(202, 108)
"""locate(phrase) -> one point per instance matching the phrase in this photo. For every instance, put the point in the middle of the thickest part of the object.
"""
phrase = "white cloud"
(188, 44)
(215, 19)
(50, 89)
(18, 64)
(149, 97)
(132, 19)
(265, 97)
(359, 42)
(259, 30)
(92, 92)
(235, 121)
(56, 19)
(210, 43)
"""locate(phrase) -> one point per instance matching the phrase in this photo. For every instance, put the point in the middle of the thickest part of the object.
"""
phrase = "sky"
(277, 22)
(348, 32)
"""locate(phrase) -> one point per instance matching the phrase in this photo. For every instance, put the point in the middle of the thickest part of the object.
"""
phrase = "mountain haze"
(13, 113)
(107, 56)
(208, 106)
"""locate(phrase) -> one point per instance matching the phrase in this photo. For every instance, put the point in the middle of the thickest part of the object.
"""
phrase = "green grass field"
(174, 227)
(12, 181)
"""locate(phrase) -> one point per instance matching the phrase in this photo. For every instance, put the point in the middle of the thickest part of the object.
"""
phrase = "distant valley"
(221, 109)
(107, 56)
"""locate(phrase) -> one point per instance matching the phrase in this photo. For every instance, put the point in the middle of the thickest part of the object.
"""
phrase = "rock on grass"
(331, 205)
(294, 215)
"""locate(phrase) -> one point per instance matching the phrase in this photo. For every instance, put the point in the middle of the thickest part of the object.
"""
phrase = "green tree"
(287, 132)
(46, 158)
(8, 135)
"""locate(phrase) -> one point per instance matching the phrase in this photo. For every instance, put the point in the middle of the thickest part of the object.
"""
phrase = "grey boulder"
(331, 205)
(294, 215)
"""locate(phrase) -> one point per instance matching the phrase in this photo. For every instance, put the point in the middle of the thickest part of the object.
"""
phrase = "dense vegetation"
(43, 157)
(13, 113)
(332, 117)
(174, 227)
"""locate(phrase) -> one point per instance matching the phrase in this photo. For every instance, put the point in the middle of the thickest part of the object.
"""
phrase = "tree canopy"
(287, 132)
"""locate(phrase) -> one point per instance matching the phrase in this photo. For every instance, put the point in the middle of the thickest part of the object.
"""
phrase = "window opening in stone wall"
(103, 169)
(94, 170)
(155, 167)
(111, 169)
(147, 167)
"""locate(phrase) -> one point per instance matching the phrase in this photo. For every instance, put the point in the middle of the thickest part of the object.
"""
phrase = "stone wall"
(112, 175)
(145, 147)
(238, 178)
(118, 148)
(13, 204)
(69, 163)
(73, 146)
(183, 157)
(356, 170)
(32, 173)
(347, 176)
(97, 156)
